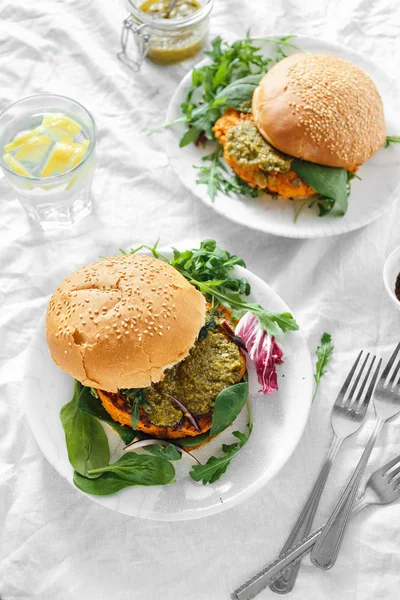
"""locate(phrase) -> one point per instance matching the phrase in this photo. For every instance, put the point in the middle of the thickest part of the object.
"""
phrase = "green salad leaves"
(217, 465)
(209, 269)
(89, 453)
(229, 79)
(217, 178)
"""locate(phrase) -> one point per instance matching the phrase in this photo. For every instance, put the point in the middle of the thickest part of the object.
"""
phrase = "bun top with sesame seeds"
(120, 322)
(322, 109)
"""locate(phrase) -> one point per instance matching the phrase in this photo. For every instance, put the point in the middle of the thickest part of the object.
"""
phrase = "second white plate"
(369, 198)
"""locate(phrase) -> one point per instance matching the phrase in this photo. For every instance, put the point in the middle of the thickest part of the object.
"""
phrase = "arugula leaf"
(228, 405)
(168, 452)
(324, 354)
(217, 465)
(211, 263)
(217, 178)
(140, 469)
(391, 139)
(106, 484)
(330, 182)
(89, 404)
(86, 440)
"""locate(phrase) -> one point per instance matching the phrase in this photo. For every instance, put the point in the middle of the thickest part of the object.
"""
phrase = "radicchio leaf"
(263, 350)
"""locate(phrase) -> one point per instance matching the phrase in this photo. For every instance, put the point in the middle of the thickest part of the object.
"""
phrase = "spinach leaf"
(192, 441)
(228, 404)
(168, 452)
(239, 91)
(140, 469)
(86, 440)
(325, 205)
(108, 483)
(93, 406)
(330, 182)
(190, 136)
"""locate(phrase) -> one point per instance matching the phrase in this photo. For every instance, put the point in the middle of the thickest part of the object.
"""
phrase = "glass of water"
(48, 154)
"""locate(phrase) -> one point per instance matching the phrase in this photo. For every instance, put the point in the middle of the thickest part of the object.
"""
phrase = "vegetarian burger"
(315, 107)
(137, 332)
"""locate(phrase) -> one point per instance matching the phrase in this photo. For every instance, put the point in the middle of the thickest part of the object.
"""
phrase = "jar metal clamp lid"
(131, 28)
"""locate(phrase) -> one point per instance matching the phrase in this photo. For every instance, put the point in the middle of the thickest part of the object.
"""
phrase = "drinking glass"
(62, 199)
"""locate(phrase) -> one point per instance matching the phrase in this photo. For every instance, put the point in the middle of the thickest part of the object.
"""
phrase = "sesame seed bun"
(120, 322)
(322, 109)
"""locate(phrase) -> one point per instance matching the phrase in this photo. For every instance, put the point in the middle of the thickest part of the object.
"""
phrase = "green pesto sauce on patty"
(246, 146)
(214, 363)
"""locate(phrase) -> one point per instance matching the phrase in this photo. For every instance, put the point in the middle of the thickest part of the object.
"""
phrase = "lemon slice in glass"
(34, 149)
(79, 153)
(22, 139)
(16, 166)
(65, 155)
(77, 158)
(59, 125)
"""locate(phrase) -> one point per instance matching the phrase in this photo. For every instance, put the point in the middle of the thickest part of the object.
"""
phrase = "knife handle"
(264, 578)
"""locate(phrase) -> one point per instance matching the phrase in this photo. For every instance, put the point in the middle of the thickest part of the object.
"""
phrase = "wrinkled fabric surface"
(56, 544)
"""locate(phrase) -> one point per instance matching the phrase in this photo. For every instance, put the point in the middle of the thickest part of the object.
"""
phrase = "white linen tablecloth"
(56, 544)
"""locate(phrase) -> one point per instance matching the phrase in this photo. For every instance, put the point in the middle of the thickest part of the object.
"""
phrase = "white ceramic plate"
(369, 198)
(279, 421)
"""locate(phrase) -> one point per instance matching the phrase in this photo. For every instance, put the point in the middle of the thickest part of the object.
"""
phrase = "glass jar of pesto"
(164, 31)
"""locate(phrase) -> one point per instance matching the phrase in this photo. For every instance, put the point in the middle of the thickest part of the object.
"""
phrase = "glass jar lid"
(169, 24)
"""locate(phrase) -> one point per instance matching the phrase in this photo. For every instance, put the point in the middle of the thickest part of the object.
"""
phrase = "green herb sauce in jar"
(159, 8)
(173, 46)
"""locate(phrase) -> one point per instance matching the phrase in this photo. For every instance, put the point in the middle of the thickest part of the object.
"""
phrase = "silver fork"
(347, 415)
(383, 487)
(387, 405)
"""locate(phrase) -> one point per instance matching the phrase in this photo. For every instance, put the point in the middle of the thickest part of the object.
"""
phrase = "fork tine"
(368, 395)
(394, 376)
(355, 384)
(394, 474)
(386, 468)
(364, 383)
(390, 363)
(348, 379)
